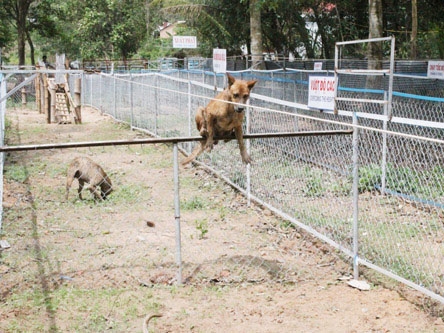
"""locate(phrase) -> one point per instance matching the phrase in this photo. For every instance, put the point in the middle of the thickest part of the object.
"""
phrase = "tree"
(216, 23)
(5, 29)
(17, 14)
(109, 28)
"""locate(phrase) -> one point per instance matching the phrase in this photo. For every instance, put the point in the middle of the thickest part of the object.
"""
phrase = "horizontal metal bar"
(4, 149)
(363, 71)
(361, 100)
(381, 39)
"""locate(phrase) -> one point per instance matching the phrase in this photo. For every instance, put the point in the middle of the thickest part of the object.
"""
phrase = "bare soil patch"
(82, 266)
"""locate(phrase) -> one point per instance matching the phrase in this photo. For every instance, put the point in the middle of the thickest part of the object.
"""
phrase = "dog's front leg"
(240, 139)
(210, 130)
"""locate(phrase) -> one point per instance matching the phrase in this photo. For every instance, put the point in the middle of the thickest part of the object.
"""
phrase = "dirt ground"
(86, 266)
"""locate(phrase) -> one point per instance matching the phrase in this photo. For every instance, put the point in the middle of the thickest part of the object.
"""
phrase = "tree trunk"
(22, 10)
(21, 40)
(375, 31)
(256, 34)
(374, 48)
(31, 47)
(414, 36)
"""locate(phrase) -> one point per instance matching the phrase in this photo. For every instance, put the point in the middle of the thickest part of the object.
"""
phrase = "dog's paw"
(247, 159)
(203, 132)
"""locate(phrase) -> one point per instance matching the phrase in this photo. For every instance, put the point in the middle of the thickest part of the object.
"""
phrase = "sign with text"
(321, 92)
(435, 69)
(318, 66)
(184, 42)
(219, 60)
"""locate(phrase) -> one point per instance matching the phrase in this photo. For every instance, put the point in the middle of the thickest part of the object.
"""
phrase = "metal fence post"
(248, 185)
(100, 93)
(355, 196)
(91, 90)
(189, 114)
(177, 213)
(156, 97)
(114, 96)
(384, 147)
(131, 101)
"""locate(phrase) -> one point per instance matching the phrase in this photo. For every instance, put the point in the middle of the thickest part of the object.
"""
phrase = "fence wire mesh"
(308, 179)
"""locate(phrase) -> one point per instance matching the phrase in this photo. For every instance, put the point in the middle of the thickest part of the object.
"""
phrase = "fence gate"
(349, 100)
(374, 76)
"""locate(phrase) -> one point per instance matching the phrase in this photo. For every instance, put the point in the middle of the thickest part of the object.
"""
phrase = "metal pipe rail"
(4, 149)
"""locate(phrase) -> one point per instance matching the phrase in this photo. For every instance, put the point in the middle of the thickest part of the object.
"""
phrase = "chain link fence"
(310, 180)
(393, 212)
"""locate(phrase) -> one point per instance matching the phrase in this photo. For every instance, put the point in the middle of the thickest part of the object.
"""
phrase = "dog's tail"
(196, 152)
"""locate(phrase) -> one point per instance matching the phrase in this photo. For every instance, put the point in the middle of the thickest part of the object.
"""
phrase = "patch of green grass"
(427, 183)
(16, 172)
(369, 176)
(111, 307)
(129, 193)
(194, 203)
(202, 227)
(239, 178)
(223, 211)
(314, 184)
(20, 173)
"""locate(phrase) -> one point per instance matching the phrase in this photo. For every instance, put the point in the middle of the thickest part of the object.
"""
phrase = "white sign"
(321, 92)
(60, 66)
(219, 60)
(435, 69)
(318, 66)
(184, 42)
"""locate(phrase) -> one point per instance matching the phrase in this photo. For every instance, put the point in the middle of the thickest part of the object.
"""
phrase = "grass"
(129, 193)
(111, 309)
(405, 180)
(16, 172)
(194, 203)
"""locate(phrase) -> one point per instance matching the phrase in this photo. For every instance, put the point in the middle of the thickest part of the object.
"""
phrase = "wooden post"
(42, 93)
(24, 96)
(46, 99)
(37, 93)
(52, 111)
(78, 100)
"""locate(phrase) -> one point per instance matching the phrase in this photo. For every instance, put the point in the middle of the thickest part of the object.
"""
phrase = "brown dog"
(88, 171)
(223, 116)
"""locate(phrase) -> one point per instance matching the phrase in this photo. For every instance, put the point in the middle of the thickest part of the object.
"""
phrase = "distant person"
(47, 64)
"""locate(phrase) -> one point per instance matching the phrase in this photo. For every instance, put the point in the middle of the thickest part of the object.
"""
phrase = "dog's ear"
(231, 79)
(251, 84)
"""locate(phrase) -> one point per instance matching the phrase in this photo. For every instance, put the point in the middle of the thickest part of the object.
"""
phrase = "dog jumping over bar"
(86, 170)
(222, 117)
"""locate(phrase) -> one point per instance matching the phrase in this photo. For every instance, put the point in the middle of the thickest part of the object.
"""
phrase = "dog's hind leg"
(196, 152)
(201, 121)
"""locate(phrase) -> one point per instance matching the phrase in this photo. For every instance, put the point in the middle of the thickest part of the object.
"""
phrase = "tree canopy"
(120, 30)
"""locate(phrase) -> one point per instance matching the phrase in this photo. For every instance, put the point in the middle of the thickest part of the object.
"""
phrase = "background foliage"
(119, 30)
